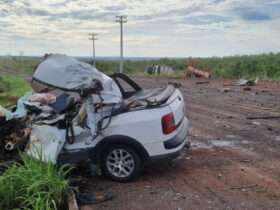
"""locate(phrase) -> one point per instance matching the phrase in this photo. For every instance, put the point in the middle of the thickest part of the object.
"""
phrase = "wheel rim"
(120, 163)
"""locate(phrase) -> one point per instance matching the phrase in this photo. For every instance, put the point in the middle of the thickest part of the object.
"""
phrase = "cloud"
(114, 8)
(206, 19)
(60, 4)
(251, 14)
(154, 28)
(218, 1)
(35, 12)
(85, 14)
(4, 13)
(255, 16)
(261, 10)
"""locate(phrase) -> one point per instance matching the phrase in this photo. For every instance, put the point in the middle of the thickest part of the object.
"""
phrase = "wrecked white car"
(80, 114)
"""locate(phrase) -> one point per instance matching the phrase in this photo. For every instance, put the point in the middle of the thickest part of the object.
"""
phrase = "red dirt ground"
(234, 163)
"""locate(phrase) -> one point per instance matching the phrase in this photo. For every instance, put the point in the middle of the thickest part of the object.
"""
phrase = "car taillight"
(168, 123)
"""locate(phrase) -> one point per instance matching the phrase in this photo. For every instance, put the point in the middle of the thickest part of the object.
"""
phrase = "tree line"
(264, 66)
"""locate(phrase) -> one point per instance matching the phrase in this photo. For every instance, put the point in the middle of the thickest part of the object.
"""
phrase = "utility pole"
(121, 19)
(93, 38)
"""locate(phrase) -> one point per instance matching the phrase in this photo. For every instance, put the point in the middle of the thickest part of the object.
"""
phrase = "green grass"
(11, 88)
(33, 185)
(23, 66)
(264, 66)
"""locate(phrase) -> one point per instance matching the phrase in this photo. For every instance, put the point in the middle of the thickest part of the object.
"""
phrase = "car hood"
(66, 73)
(69, 74)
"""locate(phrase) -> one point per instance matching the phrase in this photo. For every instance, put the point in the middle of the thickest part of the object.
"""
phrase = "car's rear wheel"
(121, 163)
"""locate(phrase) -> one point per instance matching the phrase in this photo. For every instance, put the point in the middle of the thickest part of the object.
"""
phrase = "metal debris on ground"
(247, 88)
(93, 198)
(202, 82)
(192, 71)
(263, 117)
(245, 82)
(244, 187)
(226, 90)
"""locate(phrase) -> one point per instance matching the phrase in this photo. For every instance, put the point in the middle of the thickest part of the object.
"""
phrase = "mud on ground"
(234, 163)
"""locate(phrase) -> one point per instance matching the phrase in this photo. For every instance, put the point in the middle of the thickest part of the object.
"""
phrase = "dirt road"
(234, 163)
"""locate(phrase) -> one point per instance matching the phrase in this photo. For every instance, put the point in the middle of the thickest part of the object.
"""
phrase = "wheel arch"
(119, 140)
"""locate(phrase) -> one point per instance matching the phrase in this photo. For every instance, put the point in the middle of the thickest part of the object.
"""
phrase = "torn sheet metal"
(45, 142)
(70, 74)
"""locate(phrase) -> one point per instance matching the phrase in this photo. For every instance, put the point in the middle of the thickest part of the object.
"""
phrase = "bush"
(33, 185)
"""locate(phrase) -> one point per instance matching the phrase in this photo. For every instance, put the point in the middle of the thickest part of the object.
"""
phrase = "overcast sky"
(172, 28)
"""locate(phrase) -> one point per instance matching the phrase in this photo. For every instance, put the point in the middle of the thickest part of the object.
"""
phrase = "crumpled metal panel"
(68, 73)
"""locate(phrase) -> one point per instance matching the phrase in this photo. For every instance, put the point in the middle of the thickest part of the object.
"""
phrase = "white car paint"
(145, 127)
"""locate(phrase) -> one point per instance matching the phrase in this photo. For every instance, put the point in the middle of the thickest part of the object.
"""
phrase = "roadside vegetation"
(34, 185)
(22, 65)
(264, 66)
(11, 88)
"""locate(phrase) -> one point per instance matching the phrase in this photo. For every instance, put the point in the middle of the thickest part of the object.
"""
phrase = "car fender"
(119, 140)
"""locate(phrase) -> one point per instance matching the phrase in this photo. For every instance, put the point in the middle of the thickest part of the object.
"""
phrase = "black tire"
(134, 156)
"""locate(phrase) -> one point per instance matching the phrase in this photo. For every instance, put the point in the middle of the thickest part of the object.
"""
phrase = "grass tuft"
(34, 185)
(11, 88)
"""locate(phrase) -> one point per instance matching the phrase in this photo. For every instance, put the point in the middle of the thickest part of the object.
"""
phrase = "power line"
(121, 19)
(93, 38)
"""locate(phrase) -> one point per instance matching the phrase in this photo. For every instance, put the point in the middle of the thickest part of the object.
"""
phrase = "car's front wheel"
(121, 163)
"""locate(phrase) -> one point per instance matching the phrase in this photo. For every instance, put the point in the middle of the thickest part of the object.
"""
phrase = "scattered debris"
(202, 82)
(179, 196)
(92, 198)
(263, 118)
(247, 89)
(226, 90)
(246, 160)
(191, 177)
(269, 128)
(242, 82)
(231, 136)
(256, 123)
(245, 82)
(244, 187)
(192, 71)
